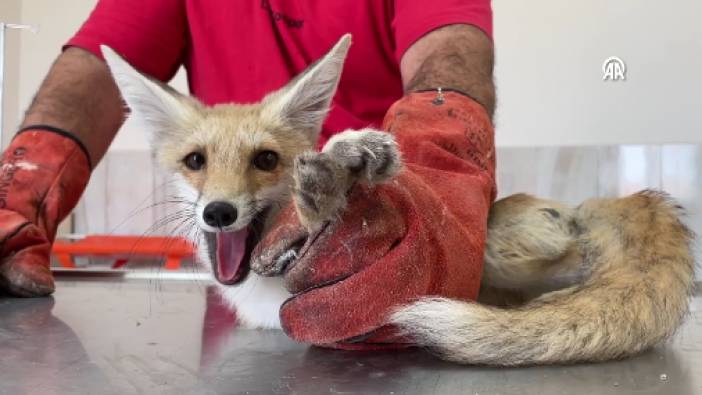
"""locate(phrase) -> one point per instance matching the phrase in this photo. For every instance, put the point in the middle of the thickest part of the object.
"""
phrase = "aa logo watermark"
(614, 69)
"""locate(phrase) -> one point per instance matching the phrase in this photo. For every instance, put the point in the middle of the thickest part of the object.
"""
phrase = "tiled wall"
(572, 174)
(127, 194)
(126, 191)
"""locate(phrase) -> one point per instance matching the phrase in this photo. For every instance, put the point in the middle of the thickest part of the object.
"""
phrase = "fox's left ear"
(304, 102)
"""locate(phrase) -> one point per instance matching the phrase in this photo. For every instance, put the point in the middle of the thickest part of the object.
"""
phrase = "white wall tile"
(128, 194)
(568, 174)
(681, 176)
(627, 169)
(90, 215)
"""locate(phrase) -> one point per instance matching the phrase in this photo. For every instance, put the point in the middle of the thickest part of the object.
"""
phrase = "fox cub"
(603, 280)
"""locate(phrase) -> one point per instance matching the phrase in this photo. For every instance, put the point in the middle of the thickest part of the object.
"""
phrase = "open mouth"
(230, 252)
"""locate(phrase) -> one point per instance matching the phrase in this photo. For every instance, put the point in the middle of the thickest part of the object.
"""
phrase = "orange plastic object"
(174, 249)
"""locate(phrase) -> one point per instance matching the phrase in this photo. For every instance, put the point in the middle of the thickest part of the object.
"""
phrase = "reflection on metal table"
(162, 336)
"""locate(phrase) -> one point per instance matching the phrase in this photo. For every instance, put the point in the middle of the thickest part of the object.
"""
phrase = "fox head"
(236, 159)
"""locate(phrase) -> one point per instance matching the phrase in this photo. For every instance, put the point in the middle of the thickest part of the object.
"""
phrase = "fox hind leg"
(531, 247)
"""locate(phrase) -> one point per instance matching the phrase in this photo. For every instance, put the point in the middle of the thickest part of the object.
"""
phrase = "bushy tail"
(636, 293)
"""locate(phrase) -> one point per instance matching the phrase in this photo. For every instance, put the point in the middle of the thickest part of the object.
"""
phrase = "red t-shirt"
(239, 50)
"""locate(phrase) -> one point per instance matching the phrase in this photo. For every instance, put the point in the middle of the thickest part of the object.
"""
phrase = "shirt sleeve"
(413, 19)
(150, 34)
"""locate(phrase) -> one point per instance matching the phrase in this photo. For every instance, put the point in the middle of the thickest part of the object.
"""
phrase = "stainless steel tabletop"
(156, 336)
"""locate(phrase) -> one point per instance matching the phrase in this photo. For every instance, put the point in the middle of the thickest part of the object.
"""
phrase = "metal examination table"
(154, 336)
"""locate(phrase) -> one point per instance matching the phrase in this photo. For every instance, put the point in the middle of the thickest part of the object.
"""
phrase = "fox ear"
(304, 101)
(163, 111)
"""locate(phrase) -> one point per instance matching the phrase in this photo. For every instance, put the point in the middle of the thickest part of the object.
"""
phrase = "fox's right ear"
(163, 111)
(304, 102)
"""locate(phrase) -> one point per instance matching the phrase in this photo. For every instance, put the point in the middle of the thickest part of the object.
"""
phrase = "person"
(238, 52)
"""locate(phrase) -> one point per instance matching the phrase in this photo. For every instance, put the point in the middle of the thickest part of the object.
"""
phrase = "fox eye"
(266, 160)
(194, 161)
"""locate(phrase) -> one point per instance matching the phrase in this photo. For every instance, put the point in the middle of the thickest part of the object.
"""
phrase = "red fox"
(603, 280)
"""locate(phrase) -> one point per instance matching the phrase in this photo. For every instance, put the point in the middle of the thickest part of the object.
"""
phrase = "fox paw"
(322, 180)
(319, 189)
(369, 154)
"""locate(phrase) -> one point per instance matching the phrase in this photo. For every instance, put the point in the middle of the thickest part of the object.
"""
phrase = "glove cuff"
(60, 132)
(42, 176)
(445, 132)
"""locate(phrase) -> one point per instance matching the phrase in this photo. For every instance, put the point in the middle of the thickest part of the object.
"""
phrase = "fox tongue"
(231, 248)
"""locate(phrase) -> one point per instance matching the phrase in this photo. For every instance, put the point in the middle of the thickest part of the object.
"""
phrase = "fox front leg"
(322, 180)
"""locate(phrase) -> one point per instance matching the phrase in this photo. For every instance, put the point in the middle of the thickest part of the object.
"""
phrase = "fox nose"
(219, 214)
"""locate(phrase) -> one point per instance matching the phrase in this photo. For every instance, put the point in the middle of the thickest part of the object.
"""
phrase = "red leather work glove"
(42, 175)
(420, 234)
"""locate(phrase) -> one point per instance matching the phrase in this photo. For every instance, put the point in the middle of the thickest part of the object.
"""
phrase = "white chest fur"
(256, 300)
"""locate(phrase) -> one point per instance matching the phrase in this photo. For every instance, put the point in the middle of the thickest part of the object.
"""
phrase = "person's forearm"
(79, 96)
(456, 56)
